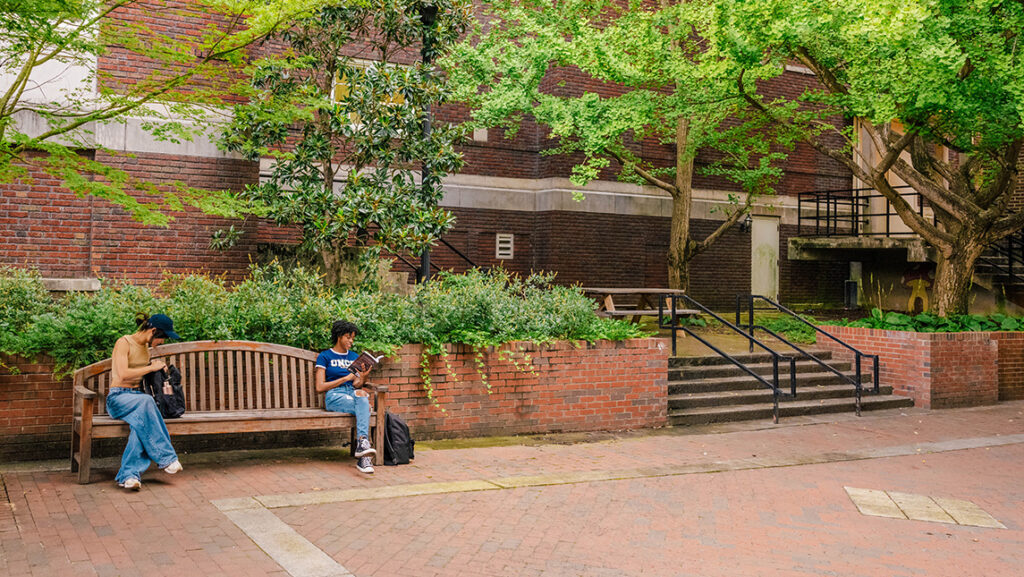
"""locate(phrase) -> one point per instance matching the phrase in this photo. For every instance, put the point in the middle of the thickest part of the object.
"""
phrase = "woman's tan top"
(138, 356)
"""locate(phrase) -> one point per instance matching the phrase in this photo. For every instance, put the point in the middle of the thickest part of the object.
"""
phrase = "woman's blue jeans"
(148, 439)
(343, 399)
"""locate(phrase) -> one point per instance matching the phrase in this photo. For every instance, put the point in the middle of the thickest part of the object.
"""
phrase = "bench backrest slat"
(229, 375)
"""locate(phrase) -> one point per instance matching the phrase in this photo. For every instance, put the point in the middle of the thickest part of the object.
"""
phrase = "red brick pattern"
(1011, 365)
(563, 386)
(937, 370)
(35, 407)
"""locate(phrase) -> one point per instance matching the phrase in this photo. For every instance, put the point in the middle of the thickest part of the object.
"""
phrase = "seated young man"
(344, 388)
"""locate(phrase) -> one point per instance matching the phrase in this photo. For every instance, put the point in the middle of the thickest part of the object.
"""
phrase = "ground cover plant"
(294, 307)
(931, 323)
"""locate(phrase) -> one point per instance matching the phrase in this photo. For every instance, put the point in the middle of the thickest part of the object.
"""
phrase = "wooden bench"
(645, 302)
(230, 387)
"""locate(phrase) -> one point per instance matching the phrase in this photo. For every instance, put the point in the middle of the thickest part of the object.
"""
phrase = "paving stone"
(967, 513)
(920, 507)
(875, 503)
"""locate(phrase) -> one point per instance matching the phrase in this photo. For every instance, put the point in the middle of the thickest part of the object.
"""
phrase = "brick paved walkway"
(737, 500)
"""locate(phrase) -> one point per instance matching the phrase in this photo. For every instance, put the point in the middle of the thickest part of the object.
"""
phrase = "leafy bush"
(293, 307)
(791, 328)
(929, 323)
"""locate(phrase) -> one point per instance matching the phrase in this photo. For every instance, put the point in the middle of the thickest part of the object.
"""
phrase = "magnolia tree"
(939, 88)
(668, 85)
(340, 116)
(53, 97)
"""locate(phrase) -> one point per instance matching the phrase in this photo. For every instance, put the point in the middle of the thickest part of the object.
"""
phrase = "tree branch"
(635, 166)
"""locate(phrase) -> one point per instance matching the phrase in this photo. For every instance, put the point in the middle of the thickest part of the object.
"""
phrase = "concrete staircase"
(713, 390)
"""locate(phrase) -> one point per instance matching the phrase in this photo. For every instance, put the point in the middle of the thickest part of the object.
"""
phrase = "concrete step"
(763, 395)
(702, 372)
(705, 415)
(748, 383)
(762, 357)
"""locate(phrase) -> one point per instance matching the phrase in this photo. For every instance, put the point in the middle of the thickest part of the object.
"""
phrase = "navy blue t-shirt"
(335, 365)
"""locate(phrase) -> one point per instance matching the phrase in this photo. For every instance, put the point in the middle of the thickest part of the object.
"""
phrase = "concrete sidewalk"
(749, 499)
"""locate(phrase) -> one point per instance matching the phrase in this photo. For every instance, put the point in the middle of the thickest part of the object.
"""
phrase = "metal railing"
(674, 325)
(1011, 249)
(845, 212)
(433, 265)
(856, 381)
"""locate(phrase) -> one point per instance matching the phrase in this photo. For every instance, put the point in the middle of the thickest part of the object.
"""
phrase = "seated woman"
(344, 388)
(148, 439)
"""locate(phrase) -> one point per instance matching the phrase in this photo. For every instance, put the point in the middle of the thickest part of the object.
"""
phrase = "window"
(504, 246)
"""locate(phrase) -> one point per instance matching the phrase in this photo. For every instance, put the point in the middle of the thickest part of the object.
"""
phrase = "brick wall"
(565, 387)
(65, 236)
(1011, 365)
(35, 410)
(937, 370)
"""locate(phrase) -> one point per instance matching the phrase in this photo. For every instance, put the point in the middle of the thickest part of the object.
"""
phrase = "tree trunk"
(332, 259)
(953, 279)
(679, 249)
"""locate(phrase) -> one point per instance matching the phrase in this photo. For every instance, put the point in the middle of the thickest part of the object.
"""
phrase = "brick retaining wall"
(941, 370)
(570, 387)
(565, 387)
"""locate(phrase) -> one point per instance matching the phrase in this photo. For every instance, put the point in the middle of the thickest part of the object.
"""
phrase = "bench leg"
(377, 432)
(84, 457)
(352, 442)
(76, 442)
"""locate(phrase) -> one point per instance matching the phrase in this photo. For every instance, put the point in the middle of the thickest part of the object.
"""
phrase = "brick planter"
(941, 370)
(565, 387)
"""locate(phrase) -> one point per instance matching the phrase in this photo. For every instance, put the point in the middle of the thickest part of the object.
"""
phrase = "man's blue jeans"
(148, 439)
(343, 399)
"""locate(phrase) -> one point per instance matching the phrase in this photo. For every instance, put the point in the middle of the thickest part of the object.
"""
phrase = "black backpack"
(171, 406)
(398, 443)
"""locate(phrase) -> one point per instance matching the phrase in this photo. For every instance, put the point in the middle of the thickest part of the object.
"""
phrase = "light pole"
(428, 15)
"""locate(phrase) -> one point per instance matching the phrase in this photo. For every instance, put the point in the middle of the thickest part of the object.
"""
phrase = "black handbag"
(171, 406)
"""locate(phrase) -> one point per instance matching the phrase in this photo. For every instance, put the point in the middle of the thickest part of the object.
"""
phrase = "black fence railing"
(434, 266)
(857, 380)
(675, 325)
(853, 212)
(1005, 258)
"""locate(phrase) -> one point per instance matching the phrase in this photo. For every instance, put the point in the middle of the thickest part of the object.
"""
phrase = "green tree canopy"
(923, 76)
(346, 135)
(662, 82)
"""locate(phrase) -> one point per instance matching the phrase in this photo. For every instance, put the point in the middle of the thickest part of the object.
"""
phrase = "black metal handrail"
(776, 357)
(842, 212)
(856, 381)
(433, 265)
(1012, 249)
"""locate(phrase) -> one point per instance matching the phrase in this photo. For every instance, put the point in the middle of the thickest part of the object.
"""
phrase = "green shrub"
(792, 329)
(22, 296)
(293, 307)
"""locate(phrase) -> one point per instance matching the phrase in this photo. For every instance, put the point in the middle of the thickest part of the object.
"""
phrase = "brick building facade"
(617, 236)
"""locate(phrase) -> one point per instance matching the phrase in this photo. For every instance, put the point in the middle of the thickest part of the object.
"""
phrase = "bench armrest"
(375, 387)
(85, 393)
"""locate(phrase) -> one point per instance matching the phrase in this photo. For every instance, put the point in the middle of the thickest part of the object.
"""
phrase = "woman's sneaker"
(364, 449)
(173, 467)
(365, 465)
(132, 484)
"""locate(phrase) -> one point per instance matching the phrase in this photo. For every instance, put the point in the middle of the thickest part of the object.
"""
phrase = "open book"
(364, 363)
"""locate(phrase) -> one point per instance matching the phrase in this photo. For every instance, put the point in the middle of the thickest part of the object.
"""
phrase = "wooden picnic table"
(642, 302)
